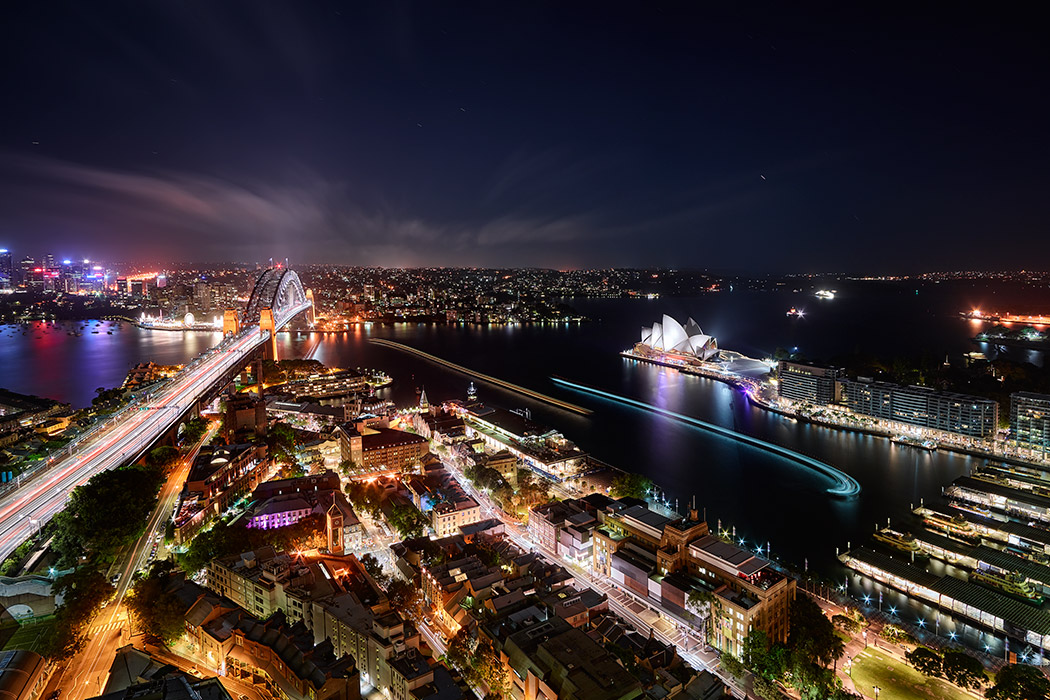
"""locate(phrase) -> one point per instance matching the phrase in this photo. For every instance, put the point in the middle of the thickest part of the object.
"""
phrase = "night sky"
(743, 138)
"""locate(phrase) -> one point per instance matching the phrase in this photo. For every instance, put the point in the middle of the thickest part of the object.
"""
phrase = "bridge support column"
(230, 322)
(267, 323)
(258, 371)
(310, 317)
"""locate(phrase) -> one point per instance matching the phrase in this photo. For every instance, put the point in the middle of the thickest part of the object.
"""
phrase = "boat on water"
(1011, 583)
(956, 525)
(825, 294)
(796, 313)
(995, 317)
(898, 540)
(912, 441)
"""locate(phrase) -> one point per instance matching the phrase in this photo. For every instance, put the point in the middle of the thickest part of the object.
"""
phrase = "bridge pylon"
(231, 323)
(267, 324)
(310, 314)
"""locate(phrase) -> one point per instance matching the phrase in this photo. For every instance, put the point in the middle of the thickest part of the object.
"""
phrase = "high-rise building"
(802, 381)
(1030, 420)
(923, 407)
(5, 262)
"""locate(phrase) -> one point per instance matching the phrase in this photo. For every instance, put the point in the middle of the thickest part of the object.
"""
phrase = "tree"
(459, 654)
(84, 592)
(408, 521)
(87, 524)
(404, 597)
(491, 671)
(629, 485)
(812, 634)
(375, 569)
(1019, 682)
(194, 429)
(756, 646)
(845, 622)
(157, 611)
(280, 439)
(925, 661)
(162, 458)
(732, 666)
(766, 689)
(963, 670)
(365, 496)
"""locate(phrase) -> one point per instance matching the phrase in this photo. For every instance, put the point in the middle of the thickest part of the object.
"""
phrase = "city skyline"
(753, 139)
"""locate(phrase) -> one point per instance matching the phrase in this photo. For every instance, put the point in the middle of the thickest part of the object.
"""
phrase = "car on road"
(115, 579)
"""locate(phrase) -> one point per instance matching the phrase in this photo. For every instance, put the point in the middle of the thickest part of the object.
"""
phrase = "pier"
(485, 377)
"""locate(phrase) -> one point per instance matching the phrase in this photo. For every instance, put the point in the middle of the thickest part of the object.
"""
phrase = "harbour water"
(770, 500)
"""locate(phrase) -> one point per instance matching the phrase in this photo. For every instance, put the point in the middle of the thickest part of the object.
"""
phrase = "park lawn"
(31, 635)
(897, 680)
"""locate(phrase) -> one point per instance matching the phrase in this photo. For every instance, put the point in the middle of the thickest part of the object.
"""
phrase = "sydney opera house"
(673, 339)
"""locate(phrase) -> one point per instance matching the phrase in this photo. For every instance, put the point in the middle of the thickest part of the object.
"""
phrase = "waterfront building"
(669, 337)
(542, 449)
(342, 383)
(667, 560)
(923, 407)
(811, 383)
(1030, 420)
(1003, 614)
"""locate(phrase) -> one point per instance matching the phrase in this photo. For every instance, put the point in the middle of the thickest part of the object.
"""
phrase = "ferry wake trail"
(845, 486)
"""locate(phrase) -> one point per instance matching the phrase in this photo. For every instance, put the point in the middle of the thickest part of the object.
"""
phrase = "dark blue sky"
(750, 137)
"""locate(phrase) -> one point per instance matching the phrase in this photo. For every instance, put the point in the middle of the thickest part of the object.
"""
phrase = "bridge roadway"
(124, 437)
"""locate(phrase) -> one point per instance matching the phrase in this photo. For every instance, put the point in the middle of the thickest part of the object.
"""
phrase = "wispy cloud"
(305, 216)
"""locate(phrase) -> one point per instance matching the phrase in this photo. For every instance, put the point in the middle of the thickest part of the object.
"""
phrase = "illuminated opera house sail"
(672, 338)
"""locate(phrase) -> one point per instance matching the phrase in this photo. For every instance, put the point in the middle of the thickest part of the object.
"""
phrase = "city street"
(84, 676)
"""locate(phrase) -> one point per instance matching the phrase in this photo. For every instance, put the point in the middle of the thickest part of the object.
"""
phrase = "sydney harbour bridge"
(248, 336)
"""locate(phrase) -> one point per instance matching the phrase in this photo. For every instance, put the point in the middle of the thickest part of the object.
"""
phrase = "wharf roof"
(894, 567)
(739, 559)
(645, 516)
(1023, 531)
(1013, 611)
(939, 540)
(1014, 494)
(511, 422)
(1012, 562)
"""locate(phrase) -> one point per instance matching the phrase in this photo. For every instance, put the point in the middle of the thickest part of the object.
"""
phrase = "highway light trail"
(845, 485)
(123, 437)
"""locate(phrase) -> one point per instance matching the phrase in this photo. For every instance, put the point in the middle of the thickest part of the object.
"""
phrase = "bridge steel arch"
(279, 290)
(278, 295)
